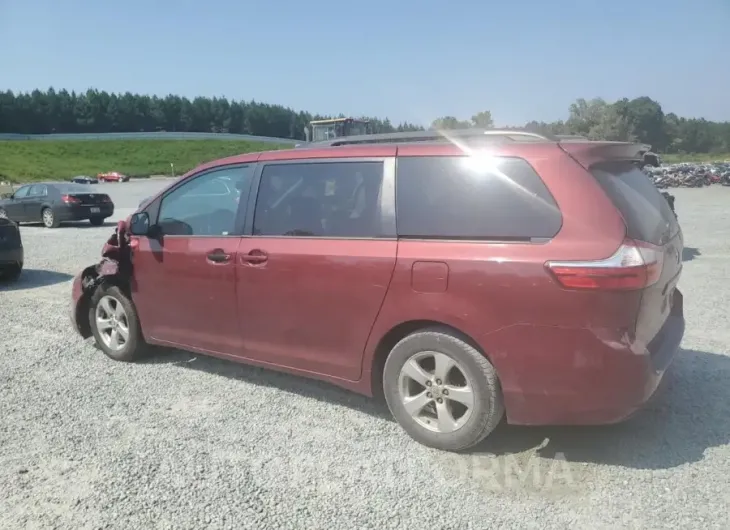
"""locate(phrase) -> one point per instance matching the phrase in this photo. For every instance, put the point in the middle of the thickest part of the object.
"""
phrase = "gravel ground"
(184, 442)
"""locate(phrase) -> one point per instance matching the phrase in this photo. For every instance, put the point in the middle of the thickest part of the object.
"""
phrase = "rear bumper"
(11, 256)
(83, 212)
(597, 382)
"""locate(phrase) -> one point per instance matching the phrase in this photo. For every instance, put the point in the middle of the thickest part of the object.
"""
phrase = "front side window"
(322, 199)
(206, 205)
(21, 193)
(463, 197)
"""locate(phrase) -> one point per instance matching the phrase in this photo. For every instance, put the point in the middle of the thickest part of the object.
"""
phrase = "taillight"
(635, 265)
(68, 199)
(106, 198)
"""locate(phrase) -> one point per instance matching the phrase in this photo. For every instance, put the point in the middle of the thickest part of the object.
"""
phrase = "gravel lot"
(184, 442)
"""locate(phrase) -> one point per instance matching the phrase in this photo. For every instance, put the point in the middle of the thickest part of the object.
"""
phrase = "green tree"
(482, 120)
(97, 111)
(646, 119)
(449, 122)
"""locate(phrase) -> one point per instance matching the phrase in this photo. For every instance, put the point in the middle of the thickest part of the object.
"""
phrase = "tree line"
(97, 111)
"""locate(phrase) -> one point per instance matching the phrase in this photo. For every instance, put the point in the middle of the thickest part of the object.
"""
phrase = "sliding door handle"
(254, 257)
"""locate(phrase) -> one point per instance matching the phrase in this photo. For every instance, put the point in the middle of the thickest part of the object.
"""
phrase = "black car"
(81, 179)
(11, 250)
(52, 203)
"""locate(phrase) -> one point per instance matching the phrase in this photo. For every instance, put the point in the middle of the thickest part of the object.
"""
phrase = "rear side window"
(646, 212)
(38, 190)
(461, 197)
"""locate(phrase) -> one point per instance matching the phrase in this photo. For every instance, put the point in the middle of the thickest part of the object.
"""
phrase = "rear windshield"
(646, 212)
(72, 188)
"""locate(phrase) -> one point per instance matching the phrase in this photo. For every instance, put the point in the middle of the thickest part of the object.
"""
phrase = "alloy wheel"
(112, 323)
(435, 392)
(48, 217)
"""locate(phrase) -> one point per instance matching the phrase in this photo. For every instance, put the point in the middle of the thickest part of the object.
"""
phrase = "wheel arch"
(399, 332)
(45, 206)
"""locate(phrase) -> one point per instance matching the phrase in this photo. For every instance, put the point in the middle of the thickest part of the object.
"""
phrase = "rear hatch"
(649, 220)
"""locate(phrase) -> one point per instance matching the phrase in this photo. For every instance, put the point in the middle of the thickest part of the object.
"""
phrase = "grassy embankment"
(28, 161)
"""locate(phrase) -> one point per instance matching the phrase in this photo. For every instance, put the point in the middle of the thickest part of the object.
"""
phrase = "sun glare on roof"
(482, 162)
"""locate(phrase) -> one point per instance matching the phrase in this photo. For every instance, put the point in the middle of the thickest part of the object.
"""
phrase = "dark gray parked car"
(52, 203)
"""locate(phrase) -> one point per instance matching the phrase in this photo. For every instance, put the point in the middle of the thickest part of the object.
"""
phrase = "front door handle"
(254, 257)
(218, 256)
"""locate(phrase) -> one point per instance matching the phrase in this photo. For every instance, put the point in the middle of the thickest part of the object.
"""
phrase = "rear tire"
(49, 218)
(115, 324)
(458, 400)
(96, 221)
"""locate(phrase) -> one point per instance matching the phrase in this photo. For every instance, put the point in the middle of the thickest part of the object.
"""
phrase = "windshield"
(326, 131)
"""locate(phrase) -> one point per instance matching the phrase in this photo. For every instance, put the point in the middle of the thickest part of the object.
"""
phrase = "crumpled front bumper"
(115, 261)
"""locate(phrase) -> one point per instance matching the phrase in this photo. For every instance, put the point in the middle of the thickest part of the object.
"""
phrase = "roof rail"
(434, 136)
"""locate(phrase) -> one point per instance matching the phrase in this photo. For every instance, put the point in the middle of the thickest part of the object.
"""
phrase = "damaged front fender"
(94, 275)
(116, 261)
(115, 267)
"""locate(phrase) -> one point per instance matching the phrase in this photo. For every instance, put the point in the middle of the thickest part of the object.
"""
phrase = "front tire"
(49, 218)
(442, 391)
(115, 324)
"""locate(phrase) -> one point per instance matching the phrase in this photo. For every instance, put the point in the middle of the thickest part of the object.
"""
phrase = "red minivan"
(464, 277)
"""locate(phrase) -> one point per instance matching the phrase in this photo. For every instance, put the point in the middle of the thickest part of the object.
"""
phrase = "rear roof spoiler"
(590, 153)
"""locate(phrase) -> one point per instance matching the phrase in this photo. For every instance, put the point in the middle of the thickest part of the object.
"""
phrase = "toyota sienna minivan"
(464, 277)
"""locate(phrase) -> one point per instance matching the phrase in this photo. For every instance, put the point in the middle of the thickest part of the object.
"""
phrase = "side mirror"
(139, 224)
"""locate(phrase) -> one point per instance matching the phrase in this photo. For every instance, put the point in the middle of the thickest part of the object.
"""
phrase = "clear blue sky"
(404, 59)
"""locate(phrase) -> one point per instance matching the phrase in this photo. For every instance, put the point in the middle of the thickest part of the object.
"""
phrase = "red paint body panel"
(322, 307)
(184, 299)
(312, 303)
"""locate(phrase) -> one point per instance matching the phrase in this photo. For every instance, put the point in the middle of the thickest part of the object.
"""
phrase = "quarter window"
(206, 205)
(462, 197)
(321, 199)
